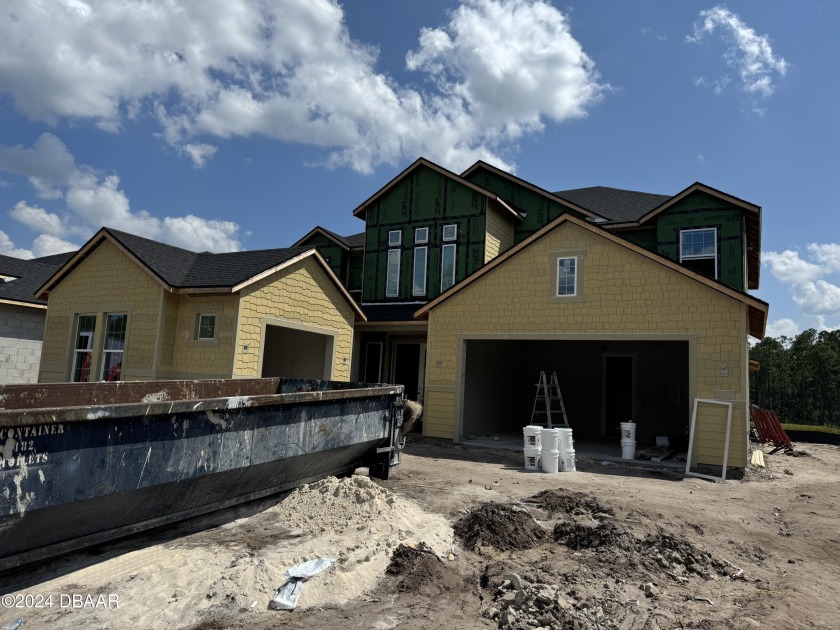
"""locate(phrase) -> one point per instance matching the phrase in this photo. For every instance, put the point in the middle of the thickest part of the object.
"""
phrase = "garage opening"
(292, 353)
(603, 383)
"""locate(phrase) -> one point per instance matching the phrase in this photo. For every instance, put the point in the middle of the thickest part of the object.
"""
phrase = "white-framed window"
(421, 235)
(567, 276)
(450, 232)
(113, 346)
(394, 238)
(392, 282)
(698, 250)
(205, 326)
(447, 265)
(421, 255)
(83, 348)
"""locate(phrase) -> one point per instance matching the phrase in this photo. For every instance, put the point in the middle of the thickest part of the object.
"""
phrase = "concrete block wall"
(21, 334)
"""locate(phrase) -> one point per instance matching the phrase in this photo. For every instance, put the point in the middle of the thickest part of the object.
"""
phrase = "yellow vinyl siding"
(499, 231)
(301, 293)
(107, 281)
(623, 293)
(192, 358)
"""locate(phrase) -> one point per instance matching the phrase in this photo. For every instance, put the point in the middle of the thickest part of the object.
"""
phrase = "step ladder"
(549, 403)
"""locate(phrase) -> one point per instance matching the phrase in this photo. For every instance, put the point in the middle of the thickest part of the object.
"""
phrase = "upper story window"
(392, 281)
(698, 250)
(450, 232)
(419, 283)
(421, 235)
(567, 277)
(447, 265)
(394, 238)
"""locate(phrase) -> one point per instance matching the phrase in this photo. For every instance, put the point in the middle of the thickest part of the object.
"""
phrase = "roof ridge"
(638, 192)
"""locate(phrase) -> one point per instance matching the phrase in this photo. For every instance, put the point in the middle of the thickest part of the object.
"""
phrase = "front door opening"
(408, 368)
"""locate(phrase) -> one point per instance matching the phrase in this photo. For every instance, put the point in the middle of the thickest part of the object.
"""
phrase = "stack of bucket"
(533, 446)
(628, 440)
(551, 450)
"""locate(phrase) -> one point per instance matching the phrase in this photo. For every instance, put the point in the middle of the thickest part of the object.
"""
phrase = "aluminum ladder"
(548, 393)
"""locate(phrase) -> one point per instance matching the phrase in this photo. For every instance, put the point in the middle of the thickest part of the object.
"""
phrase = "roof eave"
(324, 232)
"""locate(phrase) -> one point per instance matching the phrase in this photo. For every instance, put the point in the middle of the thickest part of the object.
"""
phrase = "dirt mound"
(576, 535)
(502, 527)
(414, 569)
(555, 501)
(669, 552)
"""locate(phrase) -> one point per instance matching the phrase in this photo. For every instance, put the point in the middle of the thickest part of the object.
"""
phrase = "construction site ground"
(607, 546)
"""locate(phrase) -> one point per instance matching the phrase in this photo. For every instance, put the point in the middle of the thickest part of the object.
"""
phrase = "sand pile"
(236, 567)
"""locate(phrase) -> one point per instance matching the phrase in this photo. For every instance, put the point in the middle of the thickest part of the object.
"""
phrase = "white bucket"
(532, 459)
(566, 441)
(628, 431)
(550, 440)
(532, 433)
(628, 449)
(567, 461)
(550, 461)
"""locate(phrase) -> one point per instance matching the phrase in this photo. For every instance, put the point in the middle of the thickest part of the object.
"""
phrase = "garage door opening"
(603, 383)
(292, 353)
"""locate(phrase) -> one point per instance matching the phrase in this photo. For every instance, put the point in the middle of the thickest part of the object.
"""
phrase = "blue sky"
(238, 124)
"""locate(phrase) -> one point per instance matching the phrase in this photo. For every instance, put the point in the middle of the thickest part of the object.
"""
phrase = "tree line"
(799, 377)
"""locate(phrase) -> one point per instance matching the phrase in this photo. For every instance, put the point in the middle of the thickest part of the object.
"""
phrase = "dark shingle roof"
(354, 240)
(390, 312)
(181, 268)
(614, 204)
(30, 275)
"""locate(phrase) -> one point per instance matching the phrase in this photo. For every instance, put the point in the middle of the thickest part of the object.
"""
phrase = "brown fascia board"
(359, 212)
(534, 187)
(319, 230)
(757, 308)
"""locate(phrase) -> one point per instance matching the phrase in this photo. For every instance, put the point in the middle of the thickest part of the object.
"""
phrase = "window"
(112, 349)
(450, 232)
(420, 256)
(205, 327)
(392, 284)
(698, 250)
(421, 235)
(83, 348)
(394, 238)
(566, 277)
(447, 265)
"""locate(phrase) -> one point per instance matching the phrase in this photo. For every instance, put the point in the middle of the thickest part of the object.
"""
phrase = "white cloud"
(827, 254)
(748, 53)
(48, 164)
(810, 283)
(820, 297)
(46, 245)
(788, 267)
(7, 248)
(291, 71)
(38, 219)
(784, 327)
(200, 153)
(93, 201)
